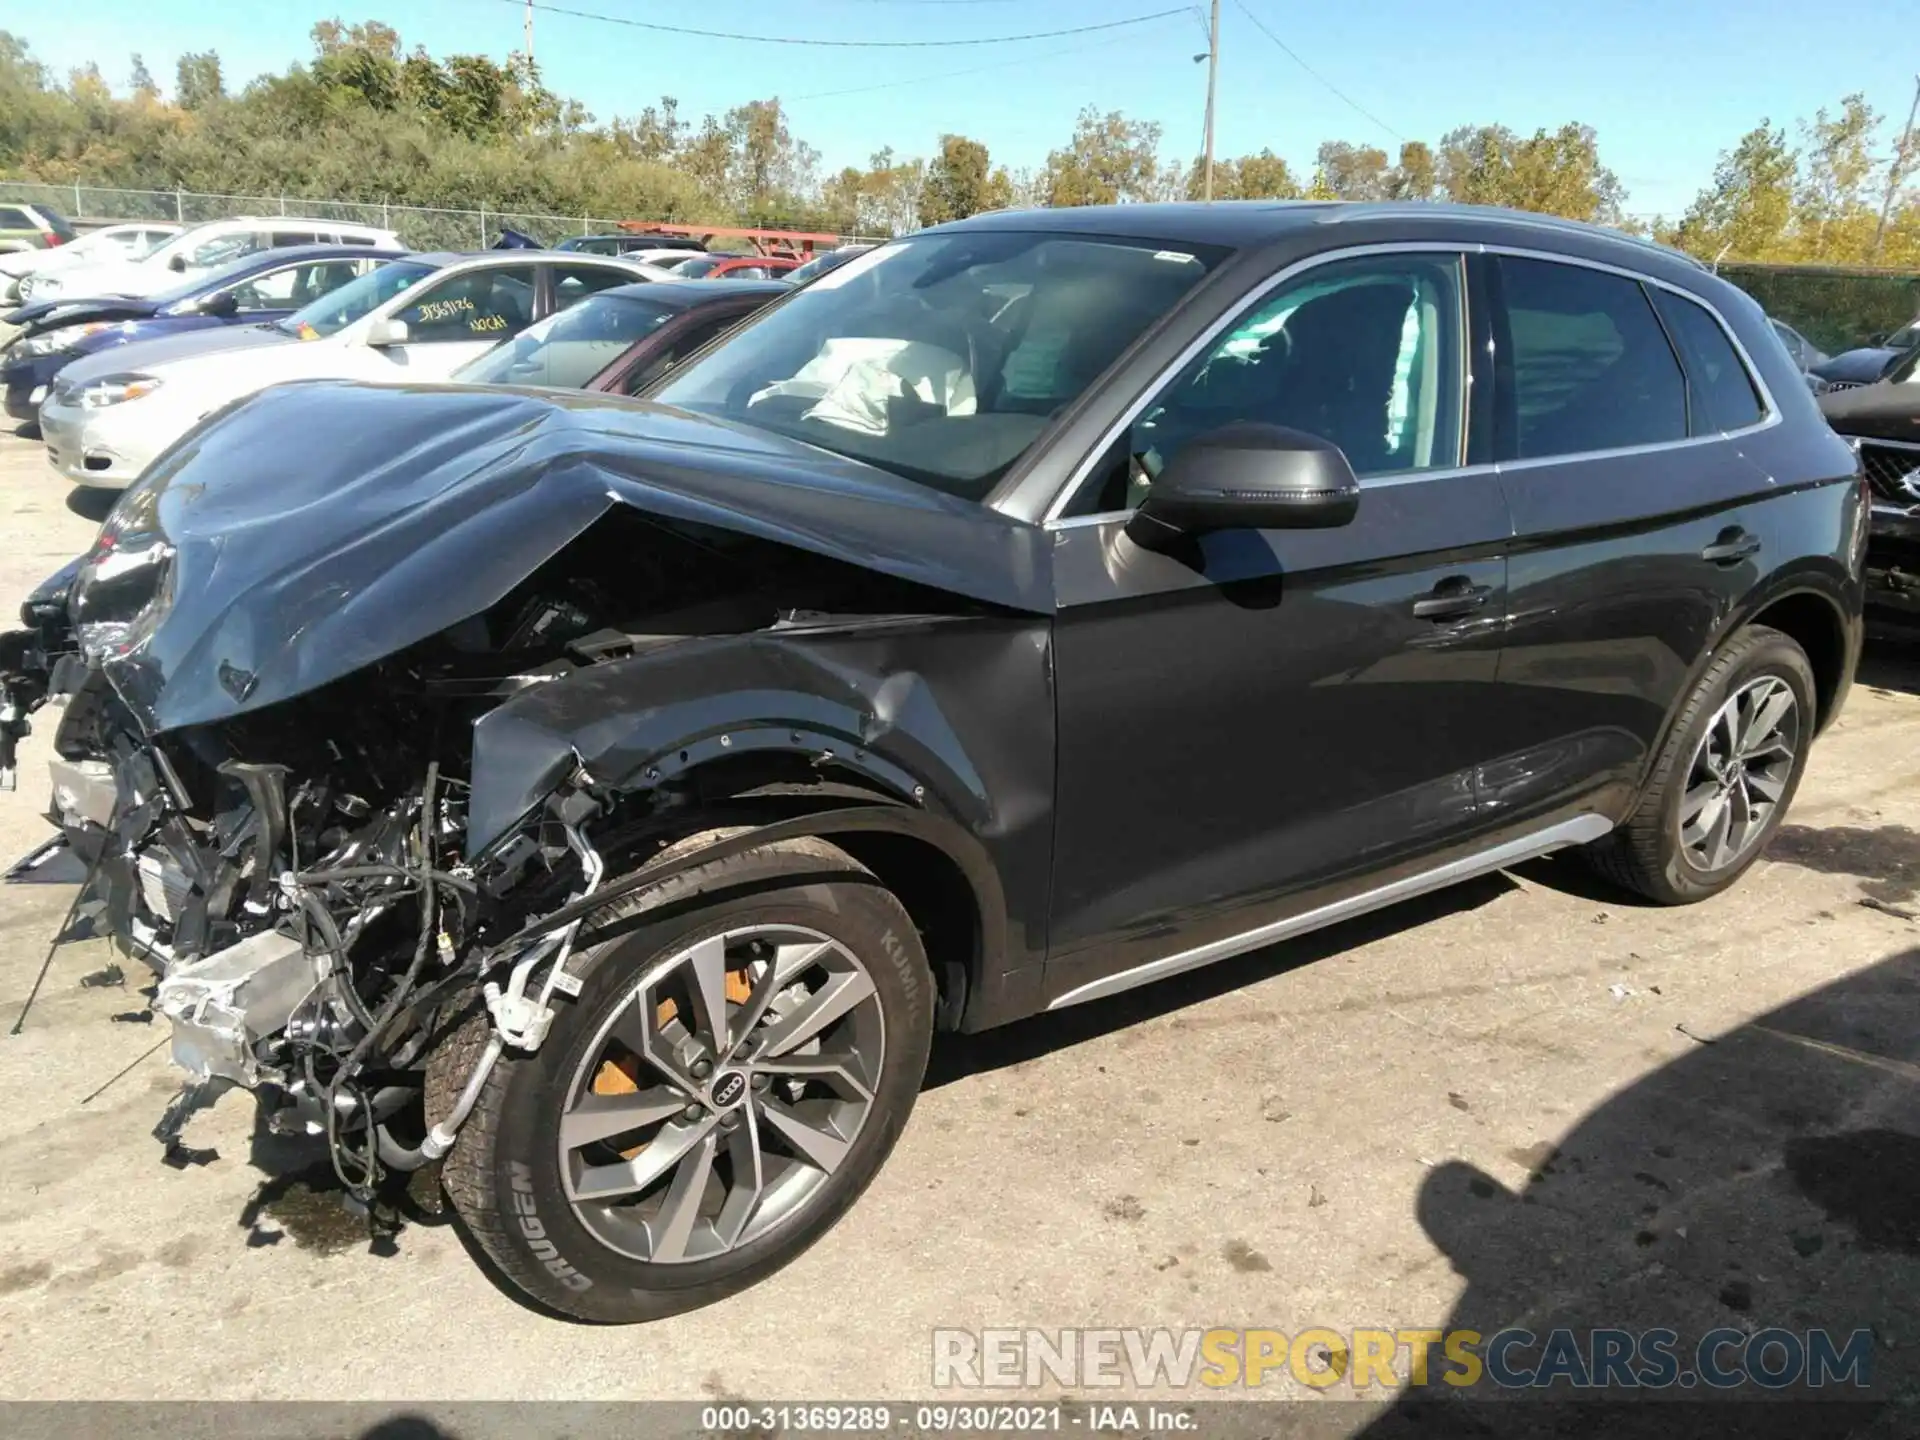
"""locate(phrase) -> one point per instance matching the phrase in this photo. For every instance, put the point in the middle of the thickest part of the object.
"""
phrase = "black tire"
(1645, 854)
(503, 1174)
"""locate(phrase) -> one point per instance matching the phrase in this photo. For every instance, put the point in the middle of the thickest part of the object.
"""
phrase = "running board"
(1581, 830)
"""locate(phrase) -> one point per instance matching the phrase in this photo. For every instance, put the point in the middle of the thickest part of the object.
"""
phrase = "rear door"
(1290, 712)
(450, 321)
(1633, 529)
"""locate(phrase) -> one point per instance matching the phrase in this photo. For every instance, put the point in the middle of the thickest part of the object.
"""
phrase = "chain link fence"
(421, 227)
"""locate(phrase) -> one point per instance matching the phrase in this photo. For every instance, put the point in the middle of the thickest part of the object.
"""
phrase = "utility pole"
(1902, 156)
(529, 32)
(1213, 77)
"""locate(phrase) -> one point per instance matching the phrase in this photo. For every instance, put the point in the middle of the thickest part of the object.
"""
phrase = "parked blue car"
(253, 291)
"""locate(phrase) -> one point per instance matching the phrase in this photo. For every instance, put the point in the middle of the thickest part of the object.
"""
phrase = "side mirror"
(223, 304)
(1248, 476)
(1878, 337)
(178, 262)
(383, 334)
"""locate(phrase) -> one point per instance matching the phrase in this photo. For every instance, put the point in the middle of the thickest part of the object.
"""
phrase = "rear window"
(1591, 366)
(1720, 393)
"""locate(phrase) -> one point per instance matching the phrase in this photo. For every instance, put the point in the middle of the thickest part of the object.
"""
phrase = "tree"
(1417, 175)
(196, 80)
(1554, 172)
(1109, 160)
(1833, 217)
(958, 181)
(1745, 212)
(141, 82)
(1350, 172)
(1252, 177)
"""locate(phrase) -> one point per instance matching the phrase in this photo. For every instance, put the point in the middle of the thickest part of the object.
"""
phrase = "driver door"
(451, 321)
(1284, 716)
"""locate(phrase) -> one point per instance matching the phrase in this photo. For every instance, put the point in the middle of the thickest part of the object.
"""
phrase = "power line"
(849, 44)
(1261, 26)
(957, 74)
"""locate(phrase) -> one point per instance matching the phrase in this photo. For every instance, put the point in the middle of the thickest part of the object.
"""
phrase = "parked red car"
(735, 267)
(621, 340)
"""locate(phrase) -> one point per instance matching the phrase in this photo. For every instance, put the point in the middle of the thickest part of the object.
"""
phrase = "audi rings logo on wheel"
(729, 1089)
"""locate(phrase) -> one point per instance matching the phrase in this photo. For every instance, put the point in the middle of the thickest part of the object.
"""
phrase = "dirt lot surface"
(1525, 1101)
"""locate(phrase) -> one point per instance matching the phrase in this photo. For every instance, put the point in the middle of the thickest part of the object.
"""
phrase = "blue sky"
(1667, 83)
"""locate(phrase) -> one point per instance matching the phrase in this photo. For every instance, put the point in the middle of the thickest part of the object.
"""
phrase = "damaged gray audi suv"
(606, 801)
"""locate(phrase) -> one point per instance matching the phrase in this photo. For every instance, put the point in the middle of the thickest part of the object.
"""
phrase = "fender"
(950, 719)
(1824, 583)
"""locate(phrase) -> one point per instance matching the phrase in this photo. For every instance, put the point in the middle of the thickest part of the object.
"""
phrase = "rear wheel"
(728, 1081)
(1725, 777)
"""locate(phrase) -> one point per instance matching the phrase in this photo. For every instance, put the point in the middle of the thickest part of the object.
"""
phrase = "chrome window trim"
(1770, 416)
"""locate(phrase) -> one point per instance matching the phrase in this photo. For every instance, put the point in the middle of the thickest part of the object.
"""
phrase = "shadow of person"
(1769, 1178)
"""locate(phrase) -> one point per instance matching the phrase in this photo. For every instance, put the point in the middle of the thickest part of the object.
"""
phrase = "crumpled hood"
(321, 526)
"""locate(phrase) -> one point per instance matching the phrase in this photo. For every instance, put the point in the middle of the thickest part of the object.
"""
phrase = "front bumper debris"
(224, 1005)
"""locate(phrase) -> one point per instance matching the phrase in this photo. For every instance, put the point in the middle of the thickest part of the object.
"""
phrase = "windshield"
(1905, 336)
(942, 357)
(568, 349)
(333, 312)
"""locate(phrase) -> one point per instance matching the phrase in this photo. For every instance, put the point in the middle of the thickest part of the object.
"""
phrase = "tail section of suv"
(1051, 604)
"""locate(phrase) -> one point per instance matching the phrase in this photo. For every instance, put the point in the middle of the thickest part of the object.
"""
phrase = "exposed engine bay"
(301, 878)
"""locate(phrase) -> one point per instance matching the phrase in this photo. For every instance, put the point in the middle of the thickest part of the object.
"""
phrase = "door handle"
(1734, 545)
(1451, 598)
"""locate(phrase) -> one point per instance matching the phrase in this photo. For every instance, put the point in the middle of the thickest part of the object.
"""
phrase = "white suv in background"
(204, 247)
(418, 318)
(109, 244)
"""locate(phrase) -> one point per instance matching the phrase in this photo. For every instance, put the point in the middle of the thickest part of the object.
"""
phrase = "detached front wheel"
(726, 1084)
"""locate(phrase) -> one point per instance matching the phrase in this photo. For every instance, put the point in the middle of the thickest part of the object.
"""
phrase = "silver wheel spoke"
(1765, 786)
(1716, 845)
(1707, 819)
(1739, 817)
(826, 1005)
(1769, 711)
(838, 1071)
(601, 1117)
(706, 967)
(789, 963)
(673, 1227)
(820, 1148)
(602, 1182)
(1769, 750)
(749, 1179)
(1697, 800)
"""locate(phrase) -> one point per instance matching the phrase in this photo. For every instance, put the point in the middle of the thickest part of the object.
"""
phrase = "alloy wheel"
(722, 1092)
(1740, 772)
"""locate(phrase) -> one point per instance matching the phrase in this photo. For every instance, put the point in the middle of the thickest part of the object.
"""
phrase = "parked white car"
(110, 244)
(420, 317)
(203, 247)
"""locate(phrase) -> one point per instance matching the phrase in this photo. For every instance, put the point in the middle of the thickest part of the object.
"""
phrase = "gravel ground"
(1524, 1101)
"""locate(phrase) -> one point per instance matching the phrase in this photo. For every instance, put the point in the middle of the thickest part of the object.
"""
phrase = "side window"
(225, 249)
(1591, 366)
(1720, 393)
(1366, 353)
(273, 291)
(488, 304)
(573, 283)
(281, 239)
(676, 351)
(747, 272)
(12, 218)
